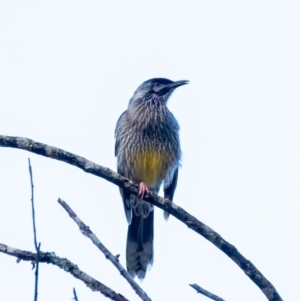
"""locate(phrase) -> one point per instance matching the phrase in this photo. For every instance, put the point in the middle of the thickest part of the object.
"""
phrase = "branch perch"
(65, 264)
(55, 153)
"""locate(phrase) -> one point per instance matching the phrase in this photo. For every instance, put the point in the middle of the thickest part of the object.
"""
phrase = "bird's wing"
(119, 122)
(126, 202)
(170, 190)
(125, 195)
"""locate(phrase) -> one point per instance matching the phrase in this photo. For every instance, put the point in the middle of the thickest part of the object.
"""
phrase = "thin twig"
(37, 272)
(85, 230)
(37, 247)
(55, 153)
(75, 295)
(206, 293)
(32, 204)
(66, 265)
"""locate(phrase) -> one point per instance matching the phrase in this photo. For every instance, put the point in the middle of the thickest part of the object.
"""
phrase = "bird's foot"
(143, 189)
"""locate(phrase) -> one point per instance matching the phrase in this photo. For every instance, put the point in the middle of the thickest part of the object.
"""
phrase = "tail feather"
(139, 249)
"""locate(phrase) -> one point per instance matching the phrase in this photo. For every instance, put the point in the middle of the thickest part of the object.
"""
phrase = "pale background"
(67, 71)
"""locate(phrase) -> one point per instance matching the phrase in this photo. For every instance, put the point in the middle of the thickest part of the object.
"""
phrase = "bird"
(148, 152)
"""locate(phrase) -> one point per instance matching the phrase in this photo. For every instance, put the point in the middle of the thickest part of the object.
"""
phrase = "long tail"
(139, 248)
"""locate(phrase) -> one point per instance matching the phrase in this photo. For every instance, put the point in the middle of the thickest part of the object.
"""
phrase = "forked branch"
(55, 153)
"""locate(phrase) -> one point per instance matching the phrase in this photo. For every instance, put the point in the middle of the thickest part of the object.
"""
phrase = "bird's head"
(156, 89)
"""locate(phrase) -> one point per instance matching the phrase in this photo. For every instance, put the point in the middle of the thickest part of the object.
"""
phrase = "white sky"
(67, 71)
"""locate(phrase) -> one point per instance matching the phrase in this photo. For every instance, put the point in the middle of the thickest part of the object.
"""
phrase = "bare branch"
(85, 230)
(32, 204)
(55, 153)
(75, 295)
(66, 265)
(37, 247)
(37, 271)
(206, 293)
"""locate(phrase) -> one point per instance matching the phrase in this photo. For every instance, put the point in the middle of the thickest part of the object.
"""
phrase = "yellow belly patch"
(149, 167)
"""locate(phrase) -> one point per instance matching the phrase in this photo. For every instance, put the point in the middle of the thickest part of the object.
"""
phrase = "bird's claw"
(143, 189)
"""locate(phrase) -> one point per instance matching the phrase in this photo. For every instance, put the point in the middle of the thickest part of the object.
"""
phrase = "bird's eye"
(156, 84)
(148, 96)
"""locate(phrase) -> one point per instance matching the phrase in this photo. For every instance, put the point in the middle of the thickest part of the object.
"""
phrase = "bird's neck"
(150, 113)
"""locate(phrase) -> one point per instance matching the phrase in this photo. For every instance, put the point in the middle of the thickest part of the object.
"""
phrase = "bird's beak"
(172, 86)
